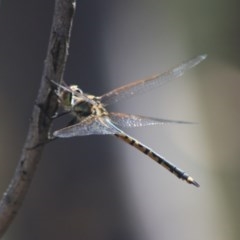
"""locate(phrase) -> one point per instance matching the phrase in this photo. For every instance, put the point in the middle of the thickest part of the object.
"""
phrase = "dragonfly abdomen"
(150, 153)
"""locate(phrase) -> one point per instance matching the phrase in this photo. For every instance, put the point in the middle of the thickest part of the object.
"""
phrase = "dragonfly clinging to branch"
(91, 116)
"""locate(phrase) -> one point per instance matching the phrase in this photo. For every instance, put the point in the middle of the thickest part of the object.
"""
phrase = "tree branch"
(45, 106)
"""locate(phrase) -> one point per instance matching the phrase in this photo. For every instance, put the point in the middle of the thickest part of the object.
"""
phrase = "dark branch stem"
(46, 104)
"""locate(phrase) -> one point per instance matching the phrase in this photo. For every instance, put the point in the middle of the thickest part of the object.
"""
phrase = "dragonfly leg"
(58, 115)
(150, 153)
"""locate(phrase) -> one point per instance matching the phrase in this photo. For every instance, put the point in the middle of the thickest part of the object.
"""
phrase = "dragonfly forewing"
(144, 85)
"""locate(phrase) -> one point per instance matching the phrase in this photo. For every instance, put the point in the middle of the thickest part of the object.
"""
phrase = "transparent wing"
(154, 81)
(89, 126)
(129, 120)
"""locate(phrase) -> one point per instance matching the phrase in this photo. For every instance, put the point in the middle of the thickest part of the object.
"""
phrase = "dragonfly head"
(80, 104)
(74, 100)
(68, 95)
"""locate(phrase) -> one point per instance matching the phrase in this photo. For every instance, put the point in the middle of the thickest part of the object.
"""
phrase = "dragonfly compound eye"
(66, 98)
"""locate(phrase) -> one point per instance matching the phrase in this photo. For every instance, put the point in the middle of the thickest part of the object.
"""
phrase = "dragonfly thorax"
(83, 108)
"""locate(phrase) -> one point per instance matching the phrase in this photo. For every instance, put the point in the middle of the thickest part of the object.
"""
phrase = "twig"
(40, 122)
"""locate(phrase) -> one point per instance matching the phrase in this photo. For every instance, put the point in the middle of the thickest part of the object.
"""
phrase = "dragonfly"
(90, 116)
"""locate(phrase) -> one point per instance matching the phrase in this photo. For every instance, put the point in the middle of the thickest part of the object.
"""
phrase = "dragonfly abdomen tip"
(193, 182)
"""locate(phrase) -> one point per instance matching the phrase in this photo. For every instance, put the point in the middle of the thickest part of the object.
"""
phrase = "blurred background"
(96, 187)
